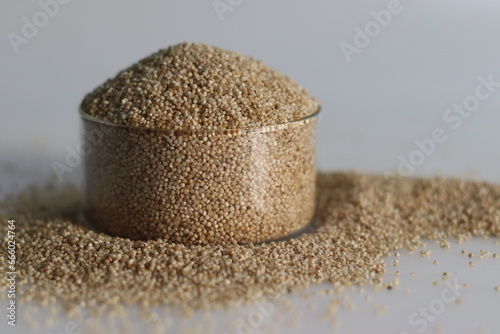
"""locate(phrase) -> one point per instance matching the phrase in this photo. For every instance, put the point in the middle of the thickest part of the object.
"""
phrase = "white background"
(393, 92)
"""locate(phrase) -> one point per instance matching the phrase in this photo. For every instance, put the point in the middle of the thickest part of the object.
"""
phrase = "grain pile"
(212, 147)
(360, 219)
(193, 86)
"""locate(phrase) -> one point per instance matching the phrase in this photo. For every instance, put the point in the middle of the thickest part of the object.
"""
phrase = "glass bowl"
(201, 187)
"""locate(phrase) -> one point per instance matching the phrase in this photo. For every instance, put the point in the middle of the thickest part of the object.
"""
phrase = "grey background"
(395, 91)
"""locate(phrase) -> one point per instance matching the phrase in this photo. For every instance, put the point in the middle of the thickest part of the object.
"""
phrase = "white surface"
(396, 90)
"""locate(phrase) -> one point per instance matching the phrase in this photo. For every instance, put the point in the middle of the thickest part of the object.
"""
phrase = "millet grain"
(192, 86)
(360, 219)
(200, 145)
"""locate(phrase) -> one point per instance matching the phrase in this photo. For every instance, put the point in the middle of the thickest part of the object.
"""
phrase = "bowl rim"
(264, 128)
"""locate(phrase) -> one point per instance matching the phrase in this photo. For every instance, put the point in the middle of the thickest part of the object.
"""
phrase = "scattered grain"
(425, 253)
(359, 219)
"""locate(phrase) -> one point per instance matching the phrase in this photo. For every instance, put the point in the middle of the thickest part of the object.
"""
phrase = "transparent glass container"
(201, 187)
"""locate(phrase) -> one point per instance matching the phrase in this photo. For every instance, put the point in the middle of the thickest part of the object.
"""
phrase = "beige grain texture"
(360, 219)
(200, 145)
